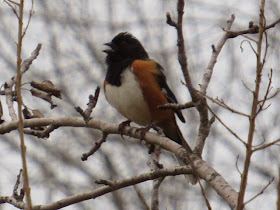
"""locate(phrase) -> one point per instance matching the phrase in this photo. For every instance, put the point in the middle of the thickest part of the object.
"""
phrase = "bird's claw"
(144, 130)
(122, 127)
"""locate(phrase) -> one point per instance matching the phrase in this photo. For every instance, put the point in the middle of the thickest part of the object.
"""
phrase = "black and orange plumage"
(135, 85)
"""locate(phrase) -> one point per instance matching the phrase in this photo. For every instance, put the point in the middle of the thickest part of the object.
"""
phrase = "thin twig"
(266, 145)
(29, 18)
(268, 89)
(236, 165)
(96, 146)
(169, 20)
(247, 37)
(141, 197)
(204, 196)
(273, 24)
(261, 192)
(19, 100)
(91, 105)
(255, 52)
(177, 106)
(225, 106)
(228, 128)
(13, 2)
(12, 7)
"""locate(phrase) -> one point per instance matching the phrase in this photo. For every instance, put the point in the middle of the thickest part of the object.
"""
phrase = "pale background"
(72, 34)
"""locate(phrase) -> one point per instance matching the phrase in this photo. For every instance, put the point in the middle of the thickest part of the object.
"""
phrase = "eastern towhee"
(135, 85)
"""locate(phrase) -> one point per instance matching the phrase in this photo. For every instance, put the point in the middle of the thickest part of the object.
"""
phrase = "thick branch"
(204, 127)
(204, 171)
(215, 53)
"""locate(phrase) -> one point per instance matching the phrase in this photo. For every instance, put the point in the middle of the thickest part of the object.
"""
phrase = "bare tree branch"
(261, 192)
(254, 29)
(215, 53)
(112, 186)
(266, 145)
(91, 104)
(141, 197)
(177, 106)
(253, 115)
(154, 166)
(8, 87)
(21, 68)
(96, 146)
(228, 128)
(222, 104)
(203, 170)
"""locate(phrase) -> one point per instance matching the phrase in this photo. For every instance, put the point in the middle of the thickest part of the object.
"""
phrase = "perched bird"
(135, 85)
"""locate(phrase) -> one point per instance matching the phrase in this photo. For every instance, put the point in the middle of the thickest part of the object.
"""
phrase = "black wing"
(161, 79)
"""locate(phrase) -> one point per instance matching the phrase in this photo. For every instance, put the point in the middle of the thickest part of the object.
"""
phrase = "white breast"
(128, 99)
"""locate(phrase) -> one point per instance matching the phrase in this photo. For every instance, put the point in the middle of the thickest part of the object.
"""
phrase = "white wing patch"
(128, 99)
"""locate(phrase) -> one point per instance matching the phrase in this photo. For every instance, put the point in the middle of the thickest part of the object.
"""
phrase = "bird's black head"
(124, 48)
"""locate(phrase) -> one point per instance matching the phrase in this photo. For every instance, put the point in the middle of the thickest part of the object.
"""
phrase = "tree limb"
(114, 185)
(203, 170)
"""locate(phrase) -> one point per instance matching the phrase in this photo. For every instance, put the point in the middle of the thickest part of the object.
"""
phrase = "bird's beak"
(111, 45)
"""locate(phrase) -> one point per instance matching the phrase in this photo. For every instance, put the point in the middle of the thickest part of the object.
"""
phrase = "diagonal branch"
(266, 145)
(259, 193)
(96, 146)
(228, 128)
(111, 186)
(8, 87)
(215, 53)
(203, 170)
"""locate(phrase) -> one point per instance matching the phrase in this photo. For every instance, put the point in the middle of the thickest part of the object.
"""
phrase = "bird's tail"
(172, 131)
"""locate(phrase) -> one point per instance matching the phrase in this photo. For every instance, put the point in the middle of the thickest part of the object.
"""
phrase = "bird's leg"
(144, 130)
(122, 126)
